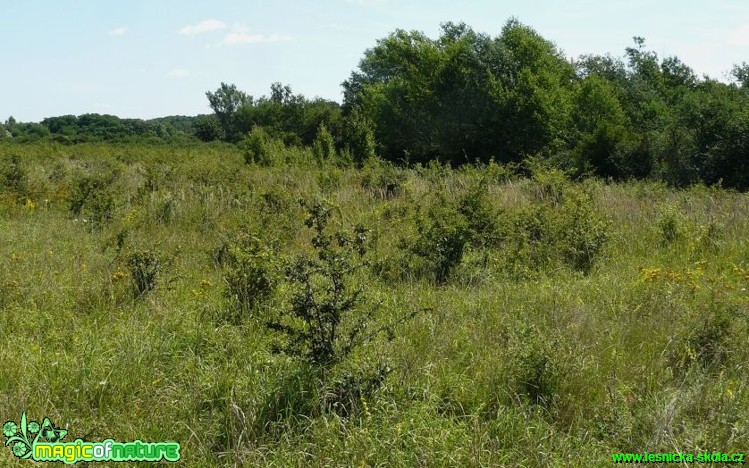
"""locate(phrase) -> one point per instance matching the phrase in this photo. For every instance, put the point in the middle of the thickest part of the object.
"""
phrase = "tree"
(600, 121)
(463, 96)
(208, 128)
(226, 101)
(359, 137)
(741, 73)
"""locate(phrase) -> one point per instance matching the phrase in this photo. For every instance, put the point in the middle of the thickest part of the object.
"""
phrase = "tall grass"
(573, 321)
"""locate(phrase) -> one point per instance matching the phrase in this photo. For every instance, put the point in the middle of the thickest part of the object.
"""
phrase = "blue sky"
(151, 58)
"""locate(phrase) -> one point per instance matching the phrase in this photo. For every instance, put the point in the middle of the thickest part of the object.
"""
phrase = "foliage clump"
(324, 146)
(14, 177)
(258, 148)
(382, 179)
(327, 317)
(325, 321)
(671, 225)
(441, 238)
(145, 266)
(562, 229)
(92, 194)
(706, 344)
(251, 273)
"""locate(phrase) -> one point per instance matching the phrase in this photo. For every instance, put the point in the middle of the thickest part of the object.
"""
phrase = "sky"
(153, 58)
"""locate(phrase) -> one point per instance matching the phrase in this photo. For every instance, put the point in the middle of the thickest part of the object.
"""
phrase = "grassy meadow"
(527, 320)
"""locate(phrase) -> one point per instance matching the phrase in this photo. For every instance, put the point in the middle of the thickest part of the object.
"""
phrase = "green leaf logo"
(22, 437)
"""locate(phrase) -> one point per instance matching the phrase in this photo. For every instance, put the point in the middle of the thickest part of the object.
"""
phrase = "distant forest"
(468, 97)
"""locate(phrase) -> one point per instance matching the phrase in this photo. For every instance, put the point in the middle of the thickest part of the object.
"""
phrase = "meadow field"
(308, 312)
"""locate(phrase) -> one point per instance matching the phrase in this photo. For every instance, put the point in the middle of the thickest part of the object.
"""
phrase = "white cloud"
(179, 73)
(204, 26)
(240, 28)
(118, 31)
(238, 38)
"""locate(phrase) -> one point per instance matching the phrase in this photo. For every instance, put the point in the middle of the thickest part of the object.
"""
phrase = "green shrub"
(534, 366)
(482, 219)
(584, 232)
(440, 242)
(251, 273)
(343, 396)
(359, 137)
(94, 193)
(258, 148)
(548, 185)
(145, 267)
(706, 342)
(671, 225)
(382, 179)
(323, 148)
(530, 244)
(565, 229)
(14, 177)
(491, 172)
(327, 316)
(329, 180)
(324, 296)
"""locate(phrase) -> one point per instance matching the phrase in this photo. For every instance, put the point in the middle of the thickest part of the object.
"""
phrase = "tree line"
(468, 97)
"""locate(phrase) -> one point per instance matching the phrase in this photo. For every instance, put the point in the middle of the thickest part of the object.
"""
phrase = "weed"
(251, 273)
(325, 299)
(145, 267)
(671, 225)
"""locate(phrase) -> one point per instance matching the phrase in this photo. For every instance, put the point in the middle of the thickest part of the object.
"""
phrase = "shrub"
(144, 270)
(94, 193)
(252, 275)
(530, 242)
(548, 185)
(359, 137)
(15, 177)
(344, 395)
(258, 148)
(382, 178)
(481, 217)
(671, 225)
(324, 296)
(323, 148)
(584, 232)
(329, 180)
(327, 317)
(707, 341)
(564, 229)
(537, 374)
(440, 241)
